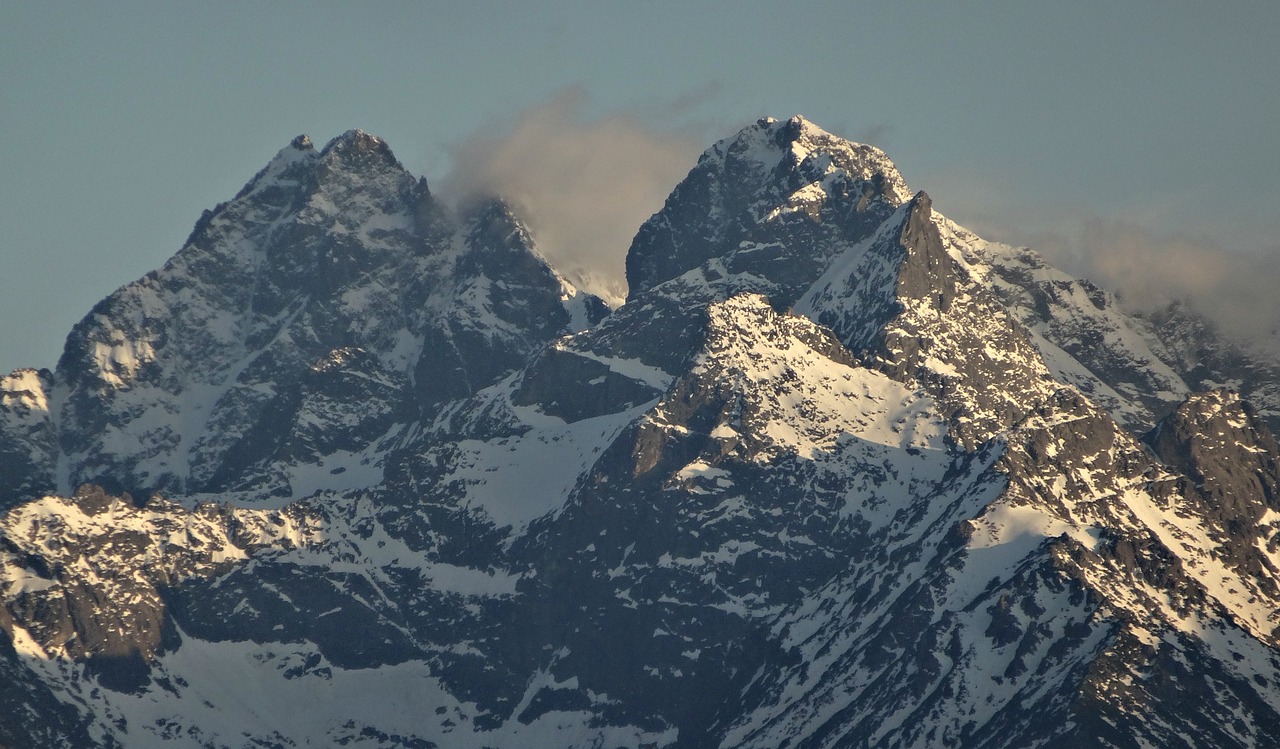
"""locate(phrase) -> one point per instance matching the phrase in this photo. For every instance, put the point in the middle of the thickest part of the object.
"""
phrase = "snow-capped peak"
(777, 190)
(355, 138)
(798, 144)
(825, 474)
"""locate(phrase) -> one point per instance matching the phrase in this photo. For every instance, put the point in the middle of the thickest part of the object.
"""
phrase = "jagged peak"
(496, 216)
(1212, 401)
(358, 149)
(26, 374)
(494, 213)
(1230, 467)
(488, 208)
(787, 145)
(499, 215)
(301, 148)
(501, 220)
(355, 138)
(749, 317)
(793, 126)
(26, 385)
(721, 312)
(771, 179)
(1217, 411)
(280, 167)
(743, 326)
(798, 128)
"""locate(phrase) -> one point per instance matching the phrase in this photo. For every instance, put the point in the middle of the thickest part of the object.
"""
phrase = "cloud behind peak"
(584, 183)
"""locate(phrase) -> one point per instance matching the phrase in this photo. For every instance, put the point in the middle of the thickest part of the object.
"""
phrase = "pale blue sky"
(1027, 121)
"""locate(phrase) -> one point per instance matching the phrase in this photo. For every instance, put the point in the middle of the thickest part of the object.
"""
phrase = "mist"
(1227, 270)
(584, 184)
(1236, 289)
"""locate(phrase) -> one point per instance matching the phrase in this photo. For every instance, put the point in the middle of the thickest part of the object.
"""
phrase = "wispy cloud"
(1227, 270)
(584, 184)
(877, 135)
(1237, 289)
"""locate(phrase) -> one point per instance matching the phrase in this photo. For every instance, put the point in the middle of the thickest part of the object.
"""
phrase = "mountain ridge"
(356, 469)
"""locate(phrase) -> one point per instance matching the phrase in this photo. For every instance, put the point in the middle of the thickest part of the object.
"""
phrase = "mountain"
(332, 277)
(355, 468)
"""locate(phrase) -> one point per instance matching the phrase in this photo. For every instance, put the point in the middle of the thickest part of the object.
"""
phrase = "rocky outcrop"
(907, 308)
(331, 268)
(28, 438)
(839, 473)
(1228, 478)
(754, 199)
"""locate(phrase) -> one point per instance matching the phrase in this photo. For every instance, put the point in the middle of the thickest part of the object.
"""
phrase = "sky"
(1131, 142)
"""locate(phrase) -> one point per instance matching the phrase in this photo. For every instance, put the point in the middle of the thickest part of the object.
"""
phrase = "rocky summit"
(358, 468)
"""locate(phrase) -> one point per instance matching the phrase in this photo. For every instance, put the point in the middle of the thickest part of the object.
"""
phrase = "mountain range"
(359, 468)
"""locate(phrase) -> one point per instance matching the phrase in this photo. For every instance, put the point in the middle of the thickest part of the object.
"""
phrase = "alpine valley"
(357, 468)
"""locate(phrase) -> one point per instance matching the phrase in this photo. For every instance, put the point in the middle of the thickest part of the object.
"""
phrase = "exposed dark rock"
(28, 438)
(356, 469)
(1229, 475)
(573, 387)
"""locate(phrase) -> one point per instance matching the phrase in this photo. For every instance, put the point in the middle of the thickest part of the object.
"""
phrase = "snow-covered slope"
(755, 197)
(838, 474)
(908, 308)
(332, 278)
(1139, 367)
(28, 439)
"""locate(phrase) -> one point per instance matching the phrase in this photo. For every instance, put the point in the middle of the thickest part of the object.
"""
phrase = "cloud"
(1148, 270)
(1227, 270)
(877, 135)
(584, 184)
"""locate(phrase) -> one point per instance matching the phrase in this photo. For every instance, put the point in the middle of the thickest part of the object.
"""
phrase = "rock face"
(1138, 367)
(754, 199)
(333, 278)
(357, 469)
(911, 310)
(1229, 478)
(28, 439)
